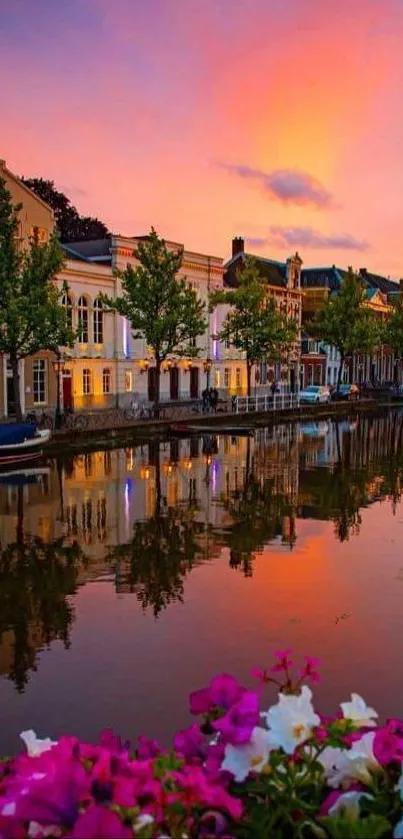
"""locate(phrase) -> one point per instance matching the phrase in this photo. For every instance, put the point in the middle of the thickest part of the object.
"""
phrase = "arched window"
(98, 323)
(83, 320)
(67, 303)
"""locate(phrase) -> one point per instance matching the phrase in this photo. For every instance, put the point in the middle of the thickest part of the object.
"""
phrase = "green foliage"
(371, 827)
(71, 226)
(31, 317)
(161, 307)
(346, 323)
(254, 325)
(393, 331)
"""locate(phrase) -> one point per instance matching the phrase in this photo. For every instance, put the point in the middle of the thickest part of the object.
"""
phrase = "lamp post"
(58, 366)
(207, 364)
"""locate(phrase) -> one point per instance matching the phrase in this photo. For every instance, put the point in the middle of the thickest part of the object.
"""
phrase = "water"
(130, 577)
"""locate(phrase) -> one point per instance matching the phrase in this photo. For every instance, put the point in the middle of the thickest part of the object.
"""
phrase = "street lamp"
(58, 366)
(207, 364)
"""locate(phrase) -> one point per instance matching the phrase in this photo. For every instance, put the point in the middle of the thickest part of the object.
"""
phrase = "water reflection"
(140, 519)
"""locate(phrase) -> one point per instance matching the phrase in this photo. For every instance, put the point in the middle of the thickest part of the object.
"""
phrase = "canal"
(129, 577)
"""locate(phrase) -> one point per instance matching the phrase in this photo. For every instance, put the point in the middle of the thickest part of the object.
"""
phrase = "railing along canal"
(278, 402)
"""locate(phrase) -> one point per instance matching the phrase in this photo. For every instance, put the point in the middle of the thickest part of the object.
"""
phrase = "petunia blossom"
(248, 757)
(34, 745)
(222, 692)
(340, 804)
(237, 724)
(359, 712)
(292, 720)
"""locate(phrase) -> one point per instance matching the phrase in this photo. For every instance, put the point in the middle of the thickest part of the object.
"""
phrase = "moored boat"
(21, 442)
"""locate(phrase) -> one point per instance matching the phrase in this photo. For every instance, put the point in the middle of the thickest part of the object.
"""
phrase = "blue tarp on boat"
(12, 433)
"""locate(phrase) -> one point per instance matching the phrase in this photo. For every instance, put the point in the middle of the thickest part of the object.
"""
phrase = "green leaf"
(371, 827)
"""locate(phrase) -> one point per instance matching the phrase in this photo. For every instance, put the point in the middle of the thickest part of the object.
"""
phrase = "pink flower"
(222, 692)
(308, 670)
(388, 745)
(237, 725)
(190, 743)
(146, 748)
(102, 823)
(284, 661)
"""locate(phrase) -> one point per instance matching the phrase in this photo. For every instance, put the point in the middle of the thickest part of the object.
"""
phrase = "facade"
(380, 295)
(283, 281)
(108, 366)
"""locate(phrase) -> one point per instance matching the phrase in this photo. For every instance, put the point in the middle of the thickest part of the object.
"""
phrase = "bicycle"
(43, 421)
(74, 422)
(137, 412)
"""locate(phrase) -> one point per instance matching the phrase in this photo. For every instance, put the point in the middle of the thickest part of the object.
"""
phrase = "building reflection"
(143, 517)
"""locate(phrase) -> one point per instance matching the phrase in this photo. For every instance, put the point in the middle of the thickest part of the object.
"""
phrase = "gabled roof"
(273, 272)
(330, 278)
(3, 168)
(384, 284)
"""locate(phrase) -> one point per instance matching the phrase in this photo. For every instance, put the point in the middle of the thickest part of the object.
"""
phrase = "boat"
(22, 475)
(21, 443)
(234, 430)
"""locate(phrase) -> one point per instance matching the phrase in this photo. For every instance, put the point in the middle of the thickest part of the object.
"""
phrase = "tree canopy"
(31, 317)
(254, 324)
(161, 307)
(346, 323)
(71, 225)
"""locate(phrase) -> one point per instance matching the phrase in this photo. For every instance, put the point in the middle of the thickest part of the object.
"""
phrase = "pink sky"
(277, 120)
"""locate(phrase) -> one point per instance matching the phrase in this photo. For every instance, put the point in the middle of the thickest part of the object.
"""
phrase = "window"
(98, 323)
(39, 381)
(87, 381)
(217, 378)
(67, 303)
(128, 381)
(227, 377)
(106, 380)
(83, 320)
(238, 377)
(39, 234)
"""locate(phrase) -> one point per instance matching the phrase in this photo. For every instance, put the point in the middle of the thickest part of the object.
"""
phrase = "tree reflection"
(35, 579)
(162, 551)
(258, 512)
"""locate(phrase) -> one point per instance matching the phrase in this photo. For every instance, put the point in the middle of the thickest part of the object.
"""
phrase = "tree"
(393, 333)
(71, 226)
(161, 308)
(344, 321)
(254, 324)
(31, 317)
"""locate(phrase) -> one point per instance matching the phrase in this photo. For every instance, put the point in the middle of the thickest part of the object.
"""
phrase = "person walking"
(206, 400)
(213, 399)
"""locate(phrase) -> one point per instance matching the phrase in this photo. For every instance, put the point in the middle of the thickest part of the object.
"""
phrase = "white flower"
(398, 831)
(291, 721)
(346, 765)
(348, 804)
(34, 745)
(252, 756)
(399, 785)
(358, 711)
(142, 820)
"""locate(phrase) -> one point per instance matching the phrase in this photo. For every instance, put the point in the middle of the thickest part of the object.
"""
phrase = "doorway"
(194, 382)
(174, 383)
(152, 384)
(67, 391)
(11, 408)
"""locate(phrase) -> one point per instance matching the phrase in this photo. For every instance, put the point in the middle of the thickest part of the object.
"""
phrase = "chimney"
(238, 245)
(362, 271)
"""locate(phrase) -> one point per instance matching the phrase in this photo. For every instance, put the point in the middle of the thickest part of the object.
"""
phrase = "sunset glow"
(278, 121)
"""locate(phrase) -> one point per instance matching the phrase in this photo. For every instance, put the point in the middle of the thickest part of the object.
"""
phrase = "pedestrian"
(206, 400)
(213, 399)
(273, 387)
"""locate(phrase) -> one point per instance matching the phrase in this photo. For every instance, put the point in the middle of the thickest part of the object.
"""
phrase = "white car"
(314, 395)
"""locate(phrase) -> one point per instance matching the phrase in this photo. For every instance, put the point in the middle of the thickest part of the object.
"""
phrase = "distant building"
(381, 292)
(283, 280)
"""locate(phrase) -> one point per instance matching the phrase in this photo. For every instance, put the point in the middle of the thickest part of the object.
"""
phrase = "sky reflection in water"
(130, 577)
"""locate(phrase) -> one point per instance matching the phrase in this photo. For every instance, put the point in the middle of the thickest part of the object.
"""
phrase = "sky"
(276, 120)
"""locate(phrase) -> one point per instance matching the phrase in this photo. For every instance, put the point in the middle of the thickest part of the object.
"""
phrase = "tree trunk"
(157, 387)
(16, 382)
(340, 373)
(249, 375)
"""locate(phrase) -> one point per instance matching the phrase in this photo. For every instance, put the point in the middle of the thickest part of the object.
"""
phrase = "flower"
(284, 662)
(339, 804)
(248, 757)
(345, 765)
(388, 745)
(292, 720)
(237, 724)
(308, 670)
(34, 745)
(222, 692)
(146, 748)
(190, 742)
(100, 822)
(359, 712)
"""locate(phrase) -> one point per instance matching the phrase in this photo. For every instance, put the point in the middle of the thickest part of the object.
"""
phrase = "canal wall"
(143, 431)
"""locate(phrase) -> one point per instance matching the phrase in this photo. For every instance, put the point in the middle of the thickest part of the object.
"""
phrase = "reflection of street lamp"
(58, 367)
(207, 364)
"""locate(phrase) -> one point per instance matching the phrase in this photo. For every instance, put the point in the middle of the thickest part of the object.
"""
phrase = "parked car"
(346, 392)
(314, 394)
